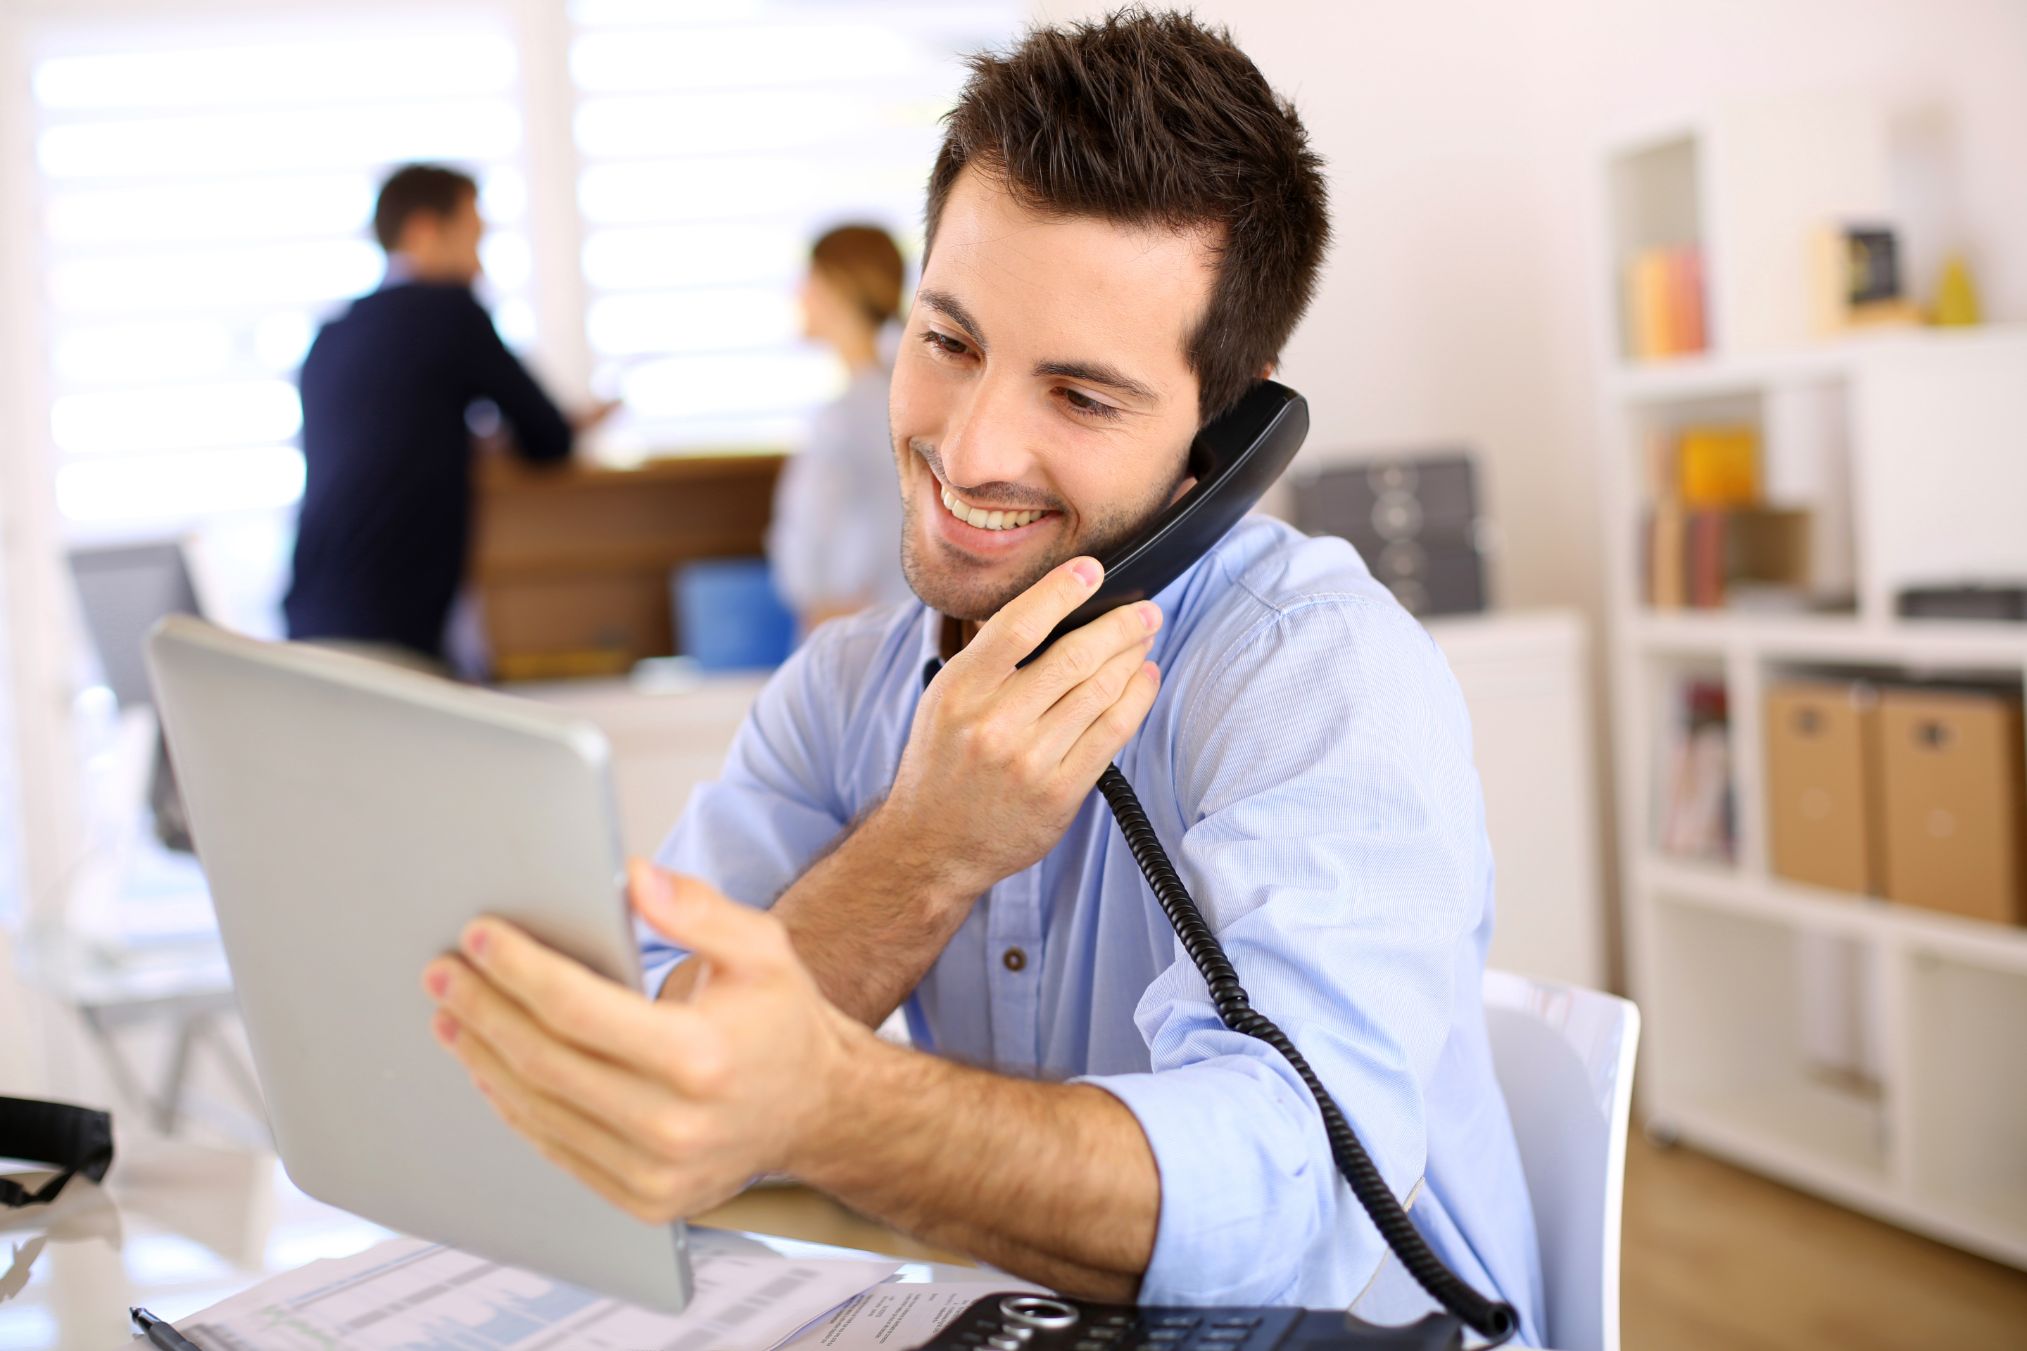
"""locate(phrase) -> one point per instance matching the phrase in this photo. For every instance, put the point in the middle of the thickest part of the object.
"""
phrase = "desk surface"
(179, 1227)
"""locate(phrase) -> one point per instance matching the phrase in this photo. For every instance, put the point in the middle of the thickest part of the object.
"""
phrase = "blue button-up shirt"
(1308, 765)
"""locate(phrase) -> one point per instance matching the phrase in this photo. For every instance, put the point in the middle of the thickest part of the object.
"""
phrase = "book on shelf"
(1664, 302)
(1710, 559)
(1710, 538)
(1695, 818)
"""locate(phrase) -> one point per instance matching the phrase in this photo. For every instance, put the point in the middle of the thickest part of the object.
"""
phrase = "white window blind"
(205, 198)
(714, 143)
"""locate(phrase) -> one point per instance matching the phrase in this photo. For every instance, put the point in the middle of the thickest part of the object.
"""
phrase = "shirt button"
(1014, 959)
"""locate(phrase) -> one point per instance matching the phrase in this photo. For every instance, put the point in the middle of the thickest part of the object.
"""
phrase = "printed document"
(417, 1296)
(900, 1316)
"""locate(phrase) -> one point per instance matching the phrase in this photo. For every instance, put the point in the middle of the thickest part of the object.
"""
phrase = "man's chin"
(968, 591)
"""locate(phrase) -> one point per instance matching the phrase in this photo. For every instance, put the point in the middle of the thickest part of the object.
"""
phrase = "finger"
(540, 1116)
(1065, 724)
(1005, 640)
(1078, 655)
(735, 939)
(592, 1174)
(1107, 736)
(570, 999)
(621, 1083)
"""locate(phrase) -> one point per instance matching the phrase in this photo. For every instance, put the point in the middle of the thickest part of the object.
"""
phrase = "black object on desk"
(1027, 1322)
(1413, 519)
(161, 1332)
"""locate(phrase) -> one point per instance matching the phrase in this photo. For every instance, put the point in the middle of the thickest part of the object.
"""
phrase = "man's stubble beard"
(942, 581)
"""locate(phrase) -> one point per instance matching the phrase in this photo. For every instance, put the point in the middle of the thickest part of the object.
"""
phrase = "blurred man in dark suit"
(386, 388)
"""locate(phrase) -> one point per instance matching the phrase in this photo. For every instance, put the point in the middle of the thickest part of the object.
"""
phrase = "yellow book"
(1650, 305)
(1719, 466)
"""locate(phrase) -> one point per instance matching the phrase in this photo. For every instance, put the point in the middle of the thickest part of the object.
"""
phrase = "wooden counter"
(572, 564)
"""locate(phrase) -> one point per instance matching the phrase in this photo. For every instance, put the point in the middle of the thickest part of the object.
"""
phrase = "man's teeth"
(988, 520)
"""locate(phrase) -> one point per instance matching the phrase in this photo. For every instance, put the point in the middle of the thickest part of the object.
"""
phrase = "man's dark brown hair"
(416, 189)
(1153, 119)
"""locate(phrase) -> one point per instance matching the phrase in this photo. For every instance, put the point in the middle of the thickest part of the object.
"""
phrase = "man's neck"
(956, 635)
(406, 267)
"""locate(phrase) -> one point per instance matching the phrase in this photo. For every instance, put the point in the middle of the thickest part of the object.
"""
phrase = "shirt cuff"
(1241, 1195)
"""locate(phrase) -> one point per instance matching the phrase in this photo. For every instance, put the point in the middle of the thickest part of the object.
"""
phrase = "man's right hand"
(1001, 757)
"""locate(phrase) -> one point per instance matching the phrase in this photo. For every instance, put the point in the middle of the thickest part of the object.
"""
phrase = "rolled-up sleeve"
(1332, 834)
(758, 826)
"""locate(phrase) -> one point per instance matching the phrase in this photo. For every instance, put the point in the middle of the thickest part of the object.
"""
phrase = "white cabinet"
(1526, 684)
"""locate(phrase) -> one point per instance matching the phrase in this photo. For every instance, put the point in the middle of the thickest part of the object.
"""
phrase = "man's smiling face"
(1041, 405)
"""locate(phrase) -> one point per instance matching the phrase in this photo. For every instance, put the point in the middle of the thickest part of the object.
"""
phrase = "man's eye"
(1086, 406)
(944, 343)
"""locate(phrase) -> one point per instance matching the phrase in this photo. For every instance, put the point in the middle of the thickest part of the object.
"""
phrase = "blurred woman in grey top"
(835, 541)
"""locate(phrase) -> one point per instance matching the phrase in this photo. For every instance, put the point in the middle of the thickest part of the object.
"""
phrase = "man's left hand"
(665, 1109)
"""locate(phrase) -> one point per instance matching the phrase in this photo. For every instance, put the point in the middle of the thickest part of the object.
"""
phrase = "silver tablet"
(351, 818)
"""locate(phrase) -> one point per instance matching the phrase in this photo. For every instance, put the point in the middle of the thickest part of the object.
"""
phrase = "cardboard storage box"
(1822, 756)
(1954, 802)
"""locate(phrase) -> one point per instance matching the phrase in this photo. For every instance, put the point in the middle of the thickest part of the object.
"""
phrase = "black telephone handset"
(1236, 458)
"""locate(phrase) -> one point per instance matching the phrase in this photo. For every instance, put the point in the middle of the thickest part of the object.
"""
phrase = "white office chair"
(1564, 1057)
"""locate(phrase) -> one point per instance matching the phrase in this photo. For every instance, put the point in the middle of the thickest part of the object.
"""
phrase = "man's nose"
(990, 439)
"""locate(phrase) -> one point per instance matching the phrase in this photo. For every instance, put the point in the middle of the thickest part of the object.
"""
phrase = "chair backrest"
(1564, 1057)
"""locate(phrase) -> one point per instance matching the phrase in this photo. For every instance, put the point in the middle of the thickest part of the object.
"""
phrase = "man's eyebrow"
(953, 309)
(1099, 373)
(1091, 372)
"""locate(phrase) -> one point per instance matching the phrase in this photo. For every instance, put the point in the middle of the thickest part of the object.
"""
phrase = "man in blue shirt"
(1125, 225)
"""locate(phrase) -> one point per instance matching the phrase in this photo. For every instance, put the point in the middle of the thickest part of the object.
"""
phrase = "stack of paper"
(408, 1295)
(900, 1316)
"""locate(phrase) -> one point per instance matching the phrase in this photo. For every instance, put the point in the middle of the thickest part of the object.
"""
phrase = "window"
(205, 198)
(714, 143)
(653, 171)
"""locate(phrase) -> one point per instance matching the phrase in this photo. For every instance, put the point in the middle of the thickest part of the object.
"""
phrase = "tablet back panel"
(351, 818)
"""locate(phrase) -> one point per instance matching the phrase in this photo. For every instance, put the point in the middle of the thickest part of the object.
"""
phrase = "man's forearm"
(1053, 1182)
(866, 920)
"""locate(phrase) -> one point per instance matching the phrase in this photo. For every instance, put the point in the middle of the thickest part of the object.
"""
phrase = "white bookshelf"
(1912, 447)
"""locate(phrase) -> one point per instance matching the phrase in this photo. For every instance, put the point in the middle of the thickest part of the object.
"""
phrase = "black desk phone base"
(1022, 1322)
